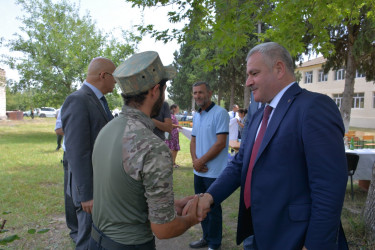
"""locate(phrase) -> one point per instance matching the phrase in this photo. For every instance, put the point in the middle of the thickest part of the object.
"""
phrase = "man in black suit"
(85, 113)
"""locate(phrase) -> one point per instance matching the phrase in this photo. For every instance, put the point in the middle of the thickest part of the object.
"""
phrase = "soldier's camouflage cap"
(141, 72)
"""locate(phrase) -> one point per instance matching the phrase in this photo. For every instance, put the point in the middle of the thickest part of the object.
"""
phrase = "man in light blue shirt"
(209, 152)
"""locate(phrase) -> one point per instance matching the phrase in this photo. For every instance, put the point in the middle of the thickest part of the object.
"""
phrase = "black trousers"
(99, 241)
(70, 210)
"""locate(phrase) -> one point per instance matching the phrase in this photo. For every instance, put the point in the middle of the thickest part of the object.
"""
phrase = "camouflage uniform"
(132, 179)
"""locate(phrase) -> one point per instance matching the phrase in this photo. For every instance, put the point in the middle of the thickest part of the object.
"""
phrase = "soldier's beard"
(157, 106)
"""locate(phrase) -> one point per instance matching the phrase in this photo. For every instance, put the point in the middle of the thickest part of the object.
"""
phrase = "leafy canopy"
(56, 45)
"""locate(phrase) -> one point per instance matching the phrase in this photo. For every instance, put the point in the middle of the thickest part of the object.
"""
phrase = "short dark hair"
(202, 83)
(242, 111)
(138, 99)
(173, 106)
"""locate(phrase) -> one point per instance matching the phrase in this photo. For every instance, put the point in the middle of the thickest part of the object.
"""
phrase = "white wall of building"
(360, 117)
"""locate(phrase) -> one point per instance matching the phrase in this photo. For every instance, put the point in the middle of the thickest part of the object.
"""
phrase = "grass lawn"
(31, 191)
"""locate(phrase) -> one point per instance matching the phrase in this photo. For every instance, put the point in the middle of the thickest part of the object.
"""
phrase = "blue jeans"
(212, 226)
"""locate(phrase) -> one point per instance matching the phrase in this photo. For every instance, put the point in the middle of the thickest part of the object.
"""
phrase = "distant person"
(233, 128)
(234, 112)
(173, 142)
(253, 107)
(32, 113)
(241, 122)
(209, 153)
(291, 165)
(163, 122)
(58, 135)
(85, 112)
(133, 171)
(184, 117)
(70, 212)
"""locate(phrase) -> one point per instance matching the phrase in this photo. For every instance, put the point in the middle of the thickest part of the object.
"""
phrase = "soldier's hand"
(87, 206)
(180, 204)
(192, 211)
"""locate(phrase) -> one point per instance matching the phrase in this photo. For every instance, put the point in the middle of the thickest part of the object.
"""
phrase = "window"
(338, 99)
(340, 74)
(322, 77)
(358, 101)
(359, 75)
(309, 77)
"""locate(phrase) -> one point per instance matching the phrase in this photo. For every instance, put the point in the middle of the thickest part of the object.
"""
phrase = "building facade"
(332, 84)
(2, 95)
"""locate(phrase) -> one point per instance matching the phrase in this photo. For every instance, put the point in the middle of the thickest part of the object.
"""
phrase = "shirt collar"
(277, 98)
(94, 89)
(207, 109)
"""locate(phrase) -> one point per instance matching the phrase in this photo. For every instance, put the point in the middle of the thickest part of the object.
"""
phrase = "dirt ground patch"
(58, 238)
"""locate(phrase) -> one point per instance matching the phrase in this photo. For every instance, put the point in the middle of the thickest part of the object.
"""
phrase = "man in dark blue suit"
(84, 114)
(293, 186)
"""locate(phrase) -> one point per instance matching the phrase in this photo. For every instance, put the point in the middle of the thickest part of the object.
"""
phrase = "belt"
(110, 244)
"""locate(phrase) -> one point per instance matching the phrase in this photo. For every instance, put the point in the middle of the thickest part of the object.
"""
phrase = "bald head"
(100, 64)
(99, 74)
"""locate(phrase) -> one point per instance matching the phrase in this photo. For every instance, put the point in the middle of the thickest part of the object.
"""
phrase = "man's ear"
(154, 90)
(101, 75)
(210, 94)
(279, 69)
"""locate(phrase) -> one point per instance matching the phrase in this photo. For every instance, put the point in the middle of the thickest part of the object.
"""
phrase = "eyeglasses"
(107, 73)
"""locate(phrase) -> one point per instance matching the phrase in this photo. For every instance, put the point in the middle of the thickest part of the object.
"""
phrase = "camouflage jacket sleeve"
(150, 162)
(158, 182)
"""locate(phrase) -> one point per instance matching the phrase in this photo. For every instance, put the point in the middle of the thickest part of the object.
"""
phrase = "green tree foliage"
(343, 31)
(229, 23)
(226, 32)
(222, 79)
(189, 72)
(56, 46)
(18, 100)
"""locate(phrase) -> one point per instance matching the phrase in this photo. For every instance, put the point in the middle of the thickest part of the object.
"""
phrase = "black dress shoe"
(198, 244)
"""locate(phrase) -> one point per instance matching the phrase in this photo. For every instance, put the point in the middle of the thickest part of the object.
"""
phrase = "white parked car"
(46, 112)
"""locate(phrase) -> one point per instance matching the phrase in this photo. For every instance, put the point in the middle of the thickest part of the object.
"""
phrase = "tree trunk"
(232, 83)
(246, 97)
(219, 97)
(369, 212)
(192, 103)
(346, 105)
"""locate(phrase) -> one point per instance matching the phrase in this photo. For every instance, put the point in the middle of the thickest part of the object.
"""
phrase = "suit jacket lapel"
(278, 115)
(250, 137)
(95, 100)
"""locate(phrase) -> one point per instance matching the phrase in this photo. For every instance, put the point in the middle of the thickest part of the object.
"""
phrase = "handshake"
(194, 207)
